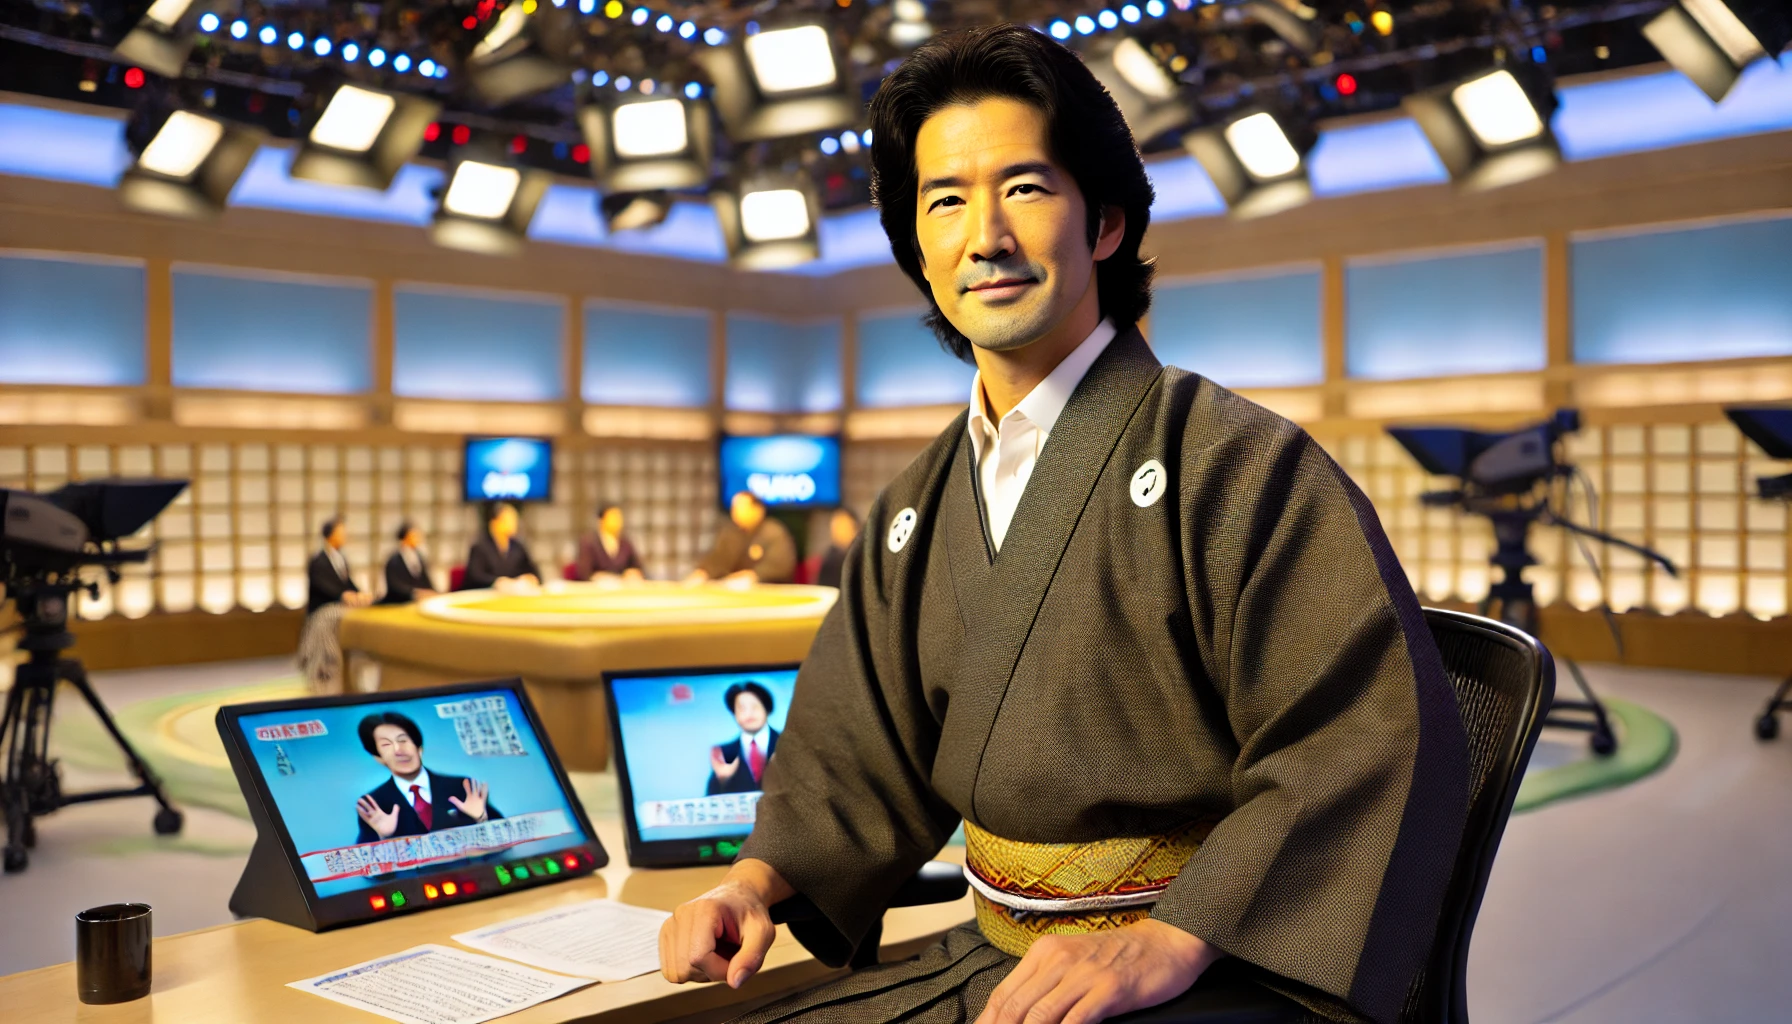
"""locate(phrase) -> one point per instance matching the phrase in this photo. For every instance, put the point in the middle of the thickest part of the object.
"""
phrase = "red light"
(432, 132)
(469, 887)
(581, 154)
(572, 861)
(133, 78)
(518, 144)
(1347, 85)
(429, 892)
(469, 23)
(449, 888)
(377, 902)
(462, 134)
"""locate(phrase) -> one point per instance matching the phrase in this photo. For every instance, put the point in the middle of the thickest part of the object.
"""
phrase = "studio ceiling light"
(1492, 128)
(1713, 41)
(162, 38)
(487, 205)
(770, 221)
(187, 161)
(532, 46)
(647, 144)
(363, 136)
(1257, 160)
(634, 211)
(1149, 97)
(781, 82)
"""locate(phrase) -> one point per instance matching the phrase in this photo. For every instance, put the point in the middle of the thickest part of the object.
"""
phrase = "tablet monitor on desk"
(691, 746)
(368, 805)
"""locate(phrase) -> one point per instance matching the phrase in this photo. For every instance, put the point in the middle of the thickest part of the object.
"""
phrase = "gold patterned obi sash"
(1025, 890)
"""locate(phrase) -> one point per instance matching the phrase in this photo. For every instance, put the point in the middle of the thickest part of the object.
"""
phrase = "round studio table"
(562, 640)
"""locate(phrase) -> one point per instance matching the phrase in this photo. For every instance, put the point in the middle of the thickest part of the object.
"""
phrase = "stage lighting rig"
(1491, 128)
(187, 160)
(770, 221)
(487, 204)
(646, 143)
(1509, 478)
(780, 82)
(1257, 159)
(634, 211)
(1713, 41)
(363, 136)
(161, 33)
(1148, 95)
(532, 46)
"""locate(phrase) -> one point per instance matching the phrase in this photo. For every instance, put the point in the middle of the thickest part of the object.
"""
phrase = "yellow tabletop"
(237, 973)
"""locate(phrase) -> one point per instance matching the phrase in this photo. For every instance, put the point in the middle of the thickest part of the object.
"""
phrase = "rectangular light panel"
(1261, 146)
(1142, 71)
(656, 128)
(774, 215)
(184, 142)
(1497, 110)
(1726, 30)
(792, 59)
(167, 13)
(353, 120)
(481, 191)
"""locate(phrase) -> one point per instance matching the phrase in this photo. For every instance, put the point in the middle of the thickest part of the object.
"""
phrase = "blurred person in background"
(407, 571)
(605, 551)
(331, 589)
(500, 558)
(750, 547)
(843, 528)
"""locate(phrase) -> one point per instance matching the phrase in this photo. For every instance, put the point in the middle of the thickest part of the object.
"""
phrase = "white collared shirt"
(404, 789)
(336, 560)
(412, 560)
(1005, 453)
(747, 739)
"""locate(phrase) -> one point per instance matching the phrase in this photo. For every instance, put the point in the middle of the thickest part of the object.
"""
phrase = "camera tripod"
(32, 786)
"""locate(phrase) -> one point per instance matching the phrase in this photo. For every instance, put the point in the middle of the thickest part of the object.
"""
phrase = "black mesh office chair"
(1505, 681)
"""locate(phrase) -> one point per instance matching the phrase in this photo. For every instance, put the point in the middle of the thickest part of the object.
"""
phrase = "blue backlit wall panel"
(1260, 330)
(1717, 292)
(66, 321)
(637, 355)
(1441, 314)
(783, 365)
(488, 347)
(901, 363)
(267, 333)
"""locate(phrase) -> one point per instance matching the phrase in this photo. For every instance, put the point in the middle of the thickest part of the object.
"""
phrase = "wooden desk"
(237, 973)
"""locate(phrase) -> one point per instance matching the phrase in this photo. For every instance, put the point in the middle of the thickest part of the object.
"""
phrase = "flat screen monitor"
(368, 805)
(685, 760)
(509, 469)
(790, 470)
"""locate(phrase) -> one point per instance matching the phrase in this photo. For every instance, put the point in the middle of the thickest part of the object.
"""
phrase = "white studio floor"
(1665, 902)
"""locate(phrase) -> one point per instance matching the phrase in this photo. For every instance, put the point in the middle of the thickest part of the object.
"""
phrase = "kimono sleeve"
(848, 814)
(1350, 783)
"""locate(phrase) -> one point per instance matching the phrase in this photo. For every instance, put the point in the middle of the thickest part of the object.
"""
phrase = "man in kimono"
(1142, 637)
(750, 546)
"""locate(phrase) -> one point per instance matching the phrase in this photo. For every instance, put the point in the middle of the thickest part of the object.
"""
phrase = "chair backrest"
(1505, 681)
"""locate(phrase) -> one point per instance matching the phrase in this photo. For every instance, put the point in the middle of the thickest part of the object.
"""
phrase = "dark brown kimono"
(1235, 638)
(769, 552)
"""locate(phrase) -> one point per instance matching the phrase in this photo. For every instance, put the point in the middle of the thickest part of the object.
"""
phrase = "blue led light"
(714, 36)
(752, 28)
(693, 90)
(239, 29)
(640, 16)
(322, 47)
(427, 69)
(441, 71)
(664, 23)
(208, 22)
(1085, 24)
(1129, 14)
(376, 57)
(687, 30)
(830, 145)
(1537, 55)
(587, 6)
(269, 35)
(623, 82)
(1155, 8)
(1060, 29)
(351, 52)
(401, 63)
(865, 136)
(296, 41)
(1108, 19)
(600, 78)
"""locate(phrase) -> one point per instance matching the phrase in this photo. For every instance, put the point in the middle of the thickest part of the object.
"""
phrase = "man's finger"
(1026, 996)
(756, 935)
(1050, 1006)
(1094, 1007)
(713, 967)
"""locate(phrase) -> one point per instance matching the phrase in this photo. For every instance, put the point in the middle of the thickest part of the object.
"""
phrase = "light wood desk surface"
(237, 973)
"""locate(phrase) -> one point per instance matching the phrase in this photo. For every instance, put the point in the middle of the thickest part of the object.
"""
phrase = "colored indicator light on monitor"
(553, 867)
(430, 892)
(520, 871)
(398, 899)
(377, 902)
(503, 875)
(572, 860)
(470, 888)
(449, 888)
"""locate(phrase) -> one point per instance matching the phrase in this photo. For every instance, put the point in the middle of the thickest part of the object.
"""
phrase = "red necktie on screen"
(424, 812)
(755, 760)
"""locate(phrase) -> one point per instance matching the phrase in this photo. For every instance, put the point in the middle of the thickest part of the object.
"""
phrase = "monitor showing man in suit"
(738, 765)
(413, 800)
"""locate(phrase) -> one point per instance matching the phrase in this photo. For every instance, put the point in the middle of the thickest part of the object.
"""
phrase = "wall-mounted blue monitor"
(789, 470)
(509, 469)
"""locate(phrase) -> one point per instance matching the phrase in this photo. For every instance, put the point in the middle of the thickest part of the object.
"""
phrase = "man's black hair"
(734, 692)
(405, 528)
(604, 509)
(1089, 137)
(372, 722)
(330, 526)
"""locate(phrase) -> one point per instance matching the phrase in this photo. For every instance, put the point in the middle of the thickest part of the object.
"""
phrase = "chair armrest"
(938, 881)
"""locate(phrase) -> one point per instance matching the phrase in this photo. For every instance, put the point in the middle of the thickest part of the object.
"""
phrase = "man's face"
(749, 714)
(393, 748)
(611, 522)
(746, 512)
(413, 538)
(1001, 224)
(503, 525)
(338, 536)
(842, 529)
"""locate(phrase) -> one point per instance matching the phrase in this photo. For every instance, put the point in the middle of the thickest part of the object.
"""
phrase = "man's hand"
(474, 804)
(697, 576)
(1082, 979)
(724, 934)
(383, 823)
(357, 599)
(723, 769)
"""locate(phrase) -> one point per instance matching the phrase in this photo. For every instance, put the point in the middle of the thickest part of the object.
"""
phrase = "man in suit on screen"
(738, 765)
(413, 800)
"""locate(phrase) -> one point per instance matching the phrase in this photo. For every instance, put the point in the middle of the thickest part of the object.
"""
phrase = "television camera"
(46, 540)
(1511, 479)
(1771, 428)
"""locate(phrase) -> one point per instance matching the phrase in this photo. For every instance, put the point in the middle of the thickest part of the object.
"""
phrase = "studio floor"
(1661, 902)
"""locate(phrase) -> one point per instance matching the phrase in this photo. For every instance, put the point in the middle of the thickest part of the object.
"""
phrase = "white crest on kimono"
(901, 529)
(1149, 483)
